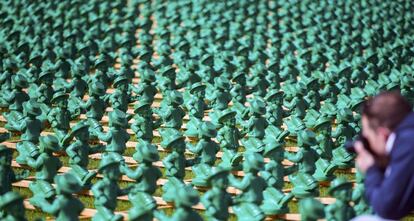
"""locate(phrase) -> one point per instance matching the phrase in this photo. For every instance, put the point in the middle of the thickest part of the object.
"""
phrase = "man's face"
(376, 139)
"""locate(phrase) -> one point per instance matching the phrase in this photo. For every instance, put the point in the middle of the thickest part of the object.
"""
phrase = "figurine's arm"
(337, 132)
(97, 190)
(71, 150)
(194, 149)
(20, 126)
(52, 208)
(133, 174)
(104, 136)
(294, 157)
(35, 163)
(9, 97)
(239, 184)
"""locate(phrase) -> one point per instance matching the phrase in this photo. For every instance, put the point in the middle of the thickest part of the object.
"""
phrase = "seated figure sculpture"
(95, 105)
(107, 190)
(255, 127)
(16, 100)
(341, 209)
(205, 150)
(228, 137)
(59, 117)
(252, 186)
(185, 198)
(30, 127)
(146, 176)
(274, 200)
(7, 175)
(175, 164)
(65, 206)
(196, 106)
(117, 135)
(46, 166)
(144, 123)
(217, 200)
(78, 153)
(12, 207)
(304, 183)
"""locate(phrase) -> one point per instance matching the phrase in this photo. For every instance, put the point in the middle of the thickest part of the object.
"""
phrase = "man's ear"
(384, 133)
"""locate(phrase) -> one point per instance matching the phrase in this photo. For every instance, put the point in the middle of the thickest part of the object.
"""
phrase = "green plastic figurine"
(217, 200)
(12, 207)
(341, 209)
(175, 164)
(184, 199)
(95, 105)
(30, 127)
(65, 206)
(59, 117)
(7, 175)
(205, 151)
(46, 166)
(304, 183)
(311, 209)
(196, 106)
(247, 204)
(78, 153)
(107, 190)
(228, 137)
(144, 122)
(117, 136)
(171, 111)
(274, 200)
(255, 127)
(146, 176)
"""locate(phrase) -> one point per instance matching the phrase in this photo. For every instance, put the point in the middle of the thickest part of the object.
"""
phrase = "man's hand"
(364, 159)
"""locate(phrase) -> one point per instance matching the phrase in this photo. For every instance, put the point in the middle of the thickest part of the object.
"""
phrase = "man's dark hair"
(386, 109)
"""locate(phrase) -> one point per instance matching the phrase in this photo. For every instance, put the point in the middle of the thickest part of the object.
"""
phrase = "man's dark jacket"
(392, 196)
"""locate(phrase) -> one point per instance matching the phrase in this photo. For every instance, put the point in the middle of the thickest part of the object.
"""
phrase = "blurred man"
(388, 159)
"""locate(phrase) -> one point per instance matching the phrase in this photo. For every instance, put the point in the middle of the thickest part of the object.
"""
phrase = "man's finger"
(359, 147)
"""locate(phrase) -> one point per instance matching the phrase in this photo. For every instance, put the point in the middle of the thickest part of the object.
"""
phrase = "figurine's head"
(274, 96)
(20, 81)
(208, 130)
(12, 203)
(222, 83)
(67, 184)
(257, 107)
(121, 82)
(253, 162)
(344, 115)
(341, 189)
(118, 118)
(306, 138)
(48, 144)
(147, 75)
(186, 197)
(275, 151)
(81, 131)
(218, 178)
(142, 108)
(311, 209)
(147, 153)
(46, 76)
(198, 89)
(323, 124)
(6, 155)
(177, 143)
(239, 77)
(175, 98)
(228, 117)
(97, 89)
(109, 167)
(32, 108)
(60, 98)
